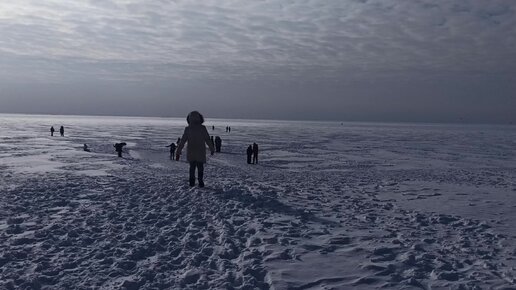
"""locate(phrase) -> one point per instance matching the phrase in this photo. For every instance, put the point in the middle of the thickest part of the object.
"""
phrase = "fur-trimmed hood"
(194, 118)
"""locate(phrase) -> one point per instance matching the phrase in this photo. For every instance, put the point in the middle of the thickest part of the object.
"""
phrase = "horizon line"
(270, 119)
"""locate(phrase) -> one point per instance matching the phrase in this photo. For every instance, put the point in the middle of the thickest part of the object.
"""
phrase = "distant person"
(85, 148)
(229, 129)
(172, 150)
(249, 154)
(197, 137)
(61, 130)
(118, 148)
(213, 128)
(255, 153)
(218, 144)
(52, 130)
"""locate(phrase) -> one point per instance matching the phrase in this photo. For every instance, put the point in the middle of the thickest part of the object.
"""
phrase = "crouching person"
(196, 136)
(119, 147)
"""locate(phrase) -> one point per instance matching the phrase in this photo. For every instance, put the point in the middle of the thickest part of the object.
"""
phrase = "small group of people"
(195, 137)
(118, 146)
(173, 147)
(217, 142)
(61, 131)
(252, 153)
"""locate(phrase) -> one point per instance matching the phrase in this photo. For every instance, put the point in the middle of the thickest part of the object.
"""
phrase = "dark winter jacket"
(197, 137)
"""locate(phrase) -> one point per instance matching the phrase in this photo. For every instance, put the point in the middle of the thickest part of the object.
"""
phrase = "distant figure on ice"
(118, 148)
(52, 130)
(85, 148)
(197, 137)
(213, 128)
(249, 154)
(255, 153)
(61, 130)
(172, 150)
(218, 144)
(229, 129)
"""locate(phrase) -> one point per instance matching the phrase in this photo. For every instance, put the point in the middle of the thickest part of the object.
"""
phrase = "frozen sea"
(329, 206)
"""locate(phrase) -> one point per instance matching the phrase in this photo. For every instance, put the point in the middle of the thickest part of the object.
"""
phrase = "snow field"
(329, 206)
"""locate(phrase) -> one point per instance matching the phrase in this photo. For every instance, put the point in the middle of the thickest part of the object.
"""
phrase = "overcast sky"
(363, 60)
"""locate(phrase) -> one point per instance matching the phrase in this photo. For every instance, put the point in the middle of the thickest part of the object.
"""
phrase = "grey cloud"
(322, 43)
(364, 35)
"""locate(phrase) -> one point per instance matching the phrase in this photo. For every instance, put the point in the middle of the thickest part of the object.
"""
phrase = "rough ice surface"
(329, 206)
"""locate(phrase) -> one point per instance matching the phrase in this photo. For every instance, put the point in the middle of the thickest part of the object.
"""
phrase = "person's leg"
(192, 173)
(200, 172)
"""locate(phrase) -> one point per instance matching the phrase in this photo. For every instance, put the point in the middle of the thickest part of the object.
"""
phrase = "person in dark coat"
(52, 130)
(172, 150)
(197, 137)
(118, 148)
(61, 130)
(255, 153)
(213, 128)
(218, 144)
(249, 154)
(85, 148)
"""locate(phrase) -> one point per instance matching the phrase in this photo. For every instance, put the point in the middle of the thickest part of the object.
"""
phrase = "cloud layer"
(224, 39)
(340, 59)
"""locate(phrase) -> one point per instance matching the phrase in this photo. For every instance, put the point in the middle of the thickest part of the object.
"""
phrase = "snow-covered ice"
(329, 206)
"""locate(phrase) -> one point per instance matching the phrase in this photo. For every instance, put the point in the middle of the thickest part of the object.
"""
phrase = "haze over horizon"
(344, 60)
